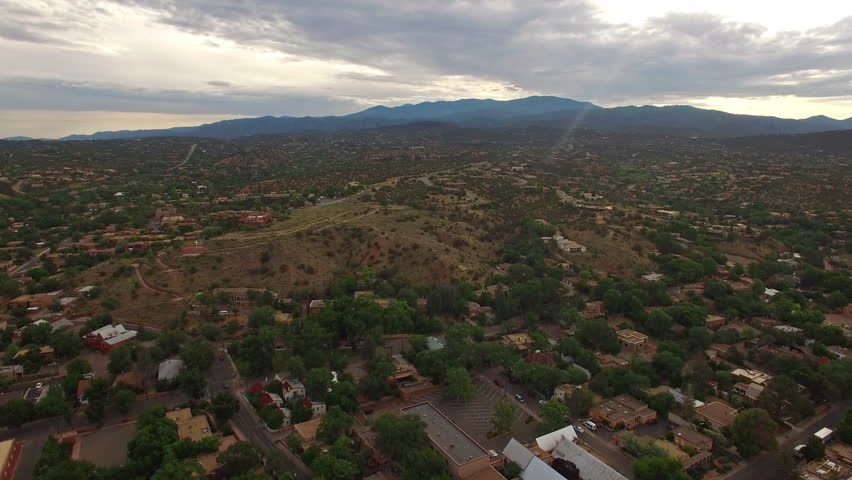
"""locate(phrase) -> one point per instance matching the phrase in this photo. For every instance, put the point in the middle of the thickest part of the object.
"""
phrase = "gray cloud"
(41, 94)
(553, 47)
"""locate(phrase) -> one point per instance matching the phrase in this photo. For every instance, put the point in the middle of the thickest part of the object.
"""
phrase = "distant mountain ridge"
(17, 139)
(536, 110)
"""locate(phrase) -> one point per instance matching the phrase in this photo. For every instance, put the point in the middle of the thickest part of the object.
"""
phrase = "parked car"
(590, 425)
(498, 383)
(579, 429)
(541, 402)
(519, 397)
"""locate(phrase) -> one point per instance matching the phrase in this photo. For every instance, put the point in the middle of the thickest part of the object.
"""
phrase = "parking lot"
(107, 447)
(474, 417)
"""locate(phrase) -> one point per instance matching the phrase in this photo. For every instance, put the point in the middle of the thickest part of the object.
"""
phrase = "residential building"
(10, 451)
(563, 392)
(593, 310)
(12, 373)
(623, 410)
(652, 277)
(169, 370)
(193, 427)
(751, 376)
(541, 358)
(209, 462)
(315, 306)
(631, 339)
(465, 457)
(687, 437)
(520, 341)
(317, 408)
(586, 465)
(749, 391)
(307, 431)
(109, 337)
(291, 388)
(718, 414)
(715, 321)
(825, 469)
(46, 353)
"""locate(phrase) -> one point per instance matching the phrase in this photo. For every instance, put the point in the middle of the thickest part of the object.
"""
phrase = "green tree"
(170, 341)
(814, 449)
(317, 382)
(53, 404)
(224, 405)
(335, 423)
(658, 468)
(425, 463)
(844, 430)
(239, 458)
(123, 400)
(662, 403)
(120, 360)
(753, 431)
(553, 413)
(459, 385)
(16, 412)
(192, 382)
(211, 331)
(154, 434)
(97, 394)
(198, 354)
(262, 317)
(397, 435)
(668, 365)
(659, 323)
(504, 416)
(580, 402)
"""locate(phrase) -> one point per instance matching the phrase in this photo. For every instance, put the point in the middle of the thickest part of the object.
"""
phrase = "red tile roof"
(256, 387)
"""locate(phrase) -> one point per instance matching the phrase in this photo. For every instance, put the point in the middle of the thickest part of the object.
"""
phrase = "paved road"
(772, 464)
(188, 155)
(222, 378)
(31, 263)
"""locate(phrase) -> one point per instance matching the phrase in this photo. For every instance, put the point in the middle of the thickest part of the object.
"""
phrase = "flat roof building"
(192, 427)
(631, 338)
(466, 457)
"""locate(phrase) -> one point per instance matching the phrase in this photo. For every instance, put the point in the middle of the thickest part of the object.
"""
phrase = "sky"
(80, 66)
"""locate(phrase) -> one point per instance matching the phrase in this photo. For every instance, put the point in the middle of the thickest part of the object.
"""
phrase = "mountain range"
(533, 111)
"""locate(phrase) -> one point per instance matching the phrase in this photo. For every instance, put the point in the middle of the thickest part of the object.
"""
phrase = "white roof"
(824, 433)
(518, 453)
(548, 442)
(60, 324)
(588, 465)
(113, 334)
(170, 369)
(538, 470)
(86, 289)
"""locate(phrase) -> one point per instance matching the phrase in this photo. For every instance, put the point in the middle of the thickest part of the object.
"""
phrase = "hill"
(531, 111)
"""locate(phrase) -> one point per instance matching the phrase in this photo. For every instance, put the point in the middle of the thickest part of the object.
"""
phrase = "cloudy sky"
(78, 66)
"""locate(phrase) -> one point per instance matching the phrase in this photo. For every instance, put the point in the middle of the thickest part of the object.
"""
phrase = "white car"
(590, 425)
(579, 429)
